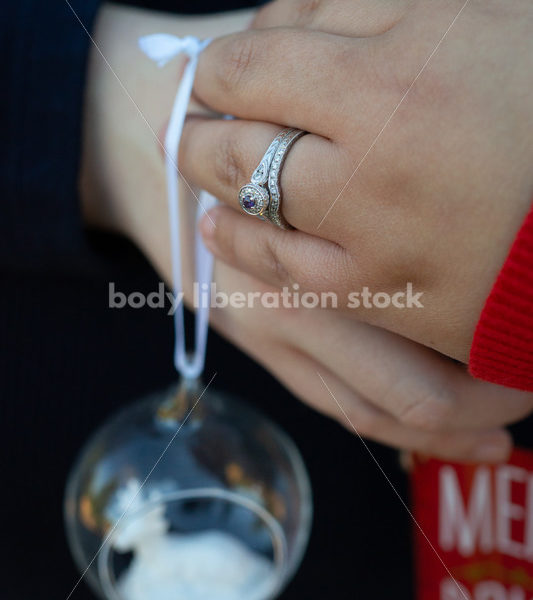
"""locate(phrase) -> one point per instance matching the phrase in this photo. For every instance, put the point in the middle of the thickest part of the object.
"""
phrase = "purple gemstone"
(248, 201)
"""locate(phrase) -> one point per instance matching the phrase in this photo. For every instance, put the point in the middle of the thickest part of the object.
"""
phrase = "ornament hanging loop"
(161, 48)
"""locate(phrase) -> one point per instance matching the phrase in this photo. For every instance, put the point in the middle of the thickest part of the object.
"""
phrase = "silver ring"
(274, 210)
(254, 197)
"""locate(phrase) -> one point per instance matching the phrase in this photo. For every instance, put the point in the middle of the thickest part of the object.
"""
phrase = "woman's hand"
(386, 387)
(374, 382)
(409, 174)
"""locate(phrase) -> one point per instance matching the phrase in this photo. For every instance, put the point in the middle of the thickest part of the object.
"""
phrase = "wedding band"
(254, 197)
(274, 209)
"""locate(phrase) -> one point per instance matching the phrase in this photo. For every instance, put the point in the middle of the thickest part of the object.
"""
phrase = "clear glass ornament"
(188, 496)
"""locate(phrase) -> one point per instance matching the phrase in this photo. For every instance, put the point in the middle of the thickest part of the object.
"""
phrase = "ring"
(254, 197)
(274, 210)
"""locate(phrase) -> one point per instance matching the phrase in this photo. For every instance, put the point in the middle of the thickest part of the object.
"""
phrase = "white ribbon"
(161, 48)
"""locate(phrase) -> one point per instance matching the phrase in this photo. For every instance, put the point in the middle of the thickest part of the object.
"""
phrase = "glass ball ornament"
(189, 494)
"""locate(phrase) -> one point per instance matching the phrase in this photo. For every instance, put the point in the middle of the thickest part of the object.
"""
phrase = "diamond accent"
(262, 196)
(253, 199)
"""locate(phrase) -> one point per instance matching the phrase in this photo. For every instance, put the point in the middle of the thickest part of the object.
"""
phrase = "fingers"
(221, 155)
(417, 386)
(293, 77)
(270, 336)
(322, 389)
(342, 17)
(280, 258)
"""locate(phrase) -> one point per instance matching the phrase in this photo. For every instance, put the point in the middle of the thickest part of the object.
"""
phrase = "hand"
(430, 191)
(377, 383)
(390, 389)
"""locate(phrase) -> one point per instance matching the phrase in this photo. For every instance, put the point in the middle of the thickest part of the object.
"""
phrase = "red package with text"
(478, 520)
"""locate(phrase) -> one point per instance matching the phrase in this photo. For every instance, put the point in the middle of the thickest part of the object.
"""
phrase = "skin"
(440, 194)
(383, 385)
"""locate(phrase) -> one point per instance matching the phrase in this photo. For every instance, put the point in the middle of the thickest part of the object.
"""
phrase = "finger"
(280, 258)
(293, 77)
(363, 18)
(316, 385)
(416, 385)
(221, 155)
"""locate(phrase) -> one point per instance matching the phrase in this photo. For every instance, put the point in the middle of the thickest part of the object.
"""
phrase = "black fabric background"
(67, 361)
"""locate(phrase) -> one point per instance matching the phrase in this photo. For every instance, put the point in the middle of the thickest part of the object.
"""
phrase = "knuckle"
(427, 408)
(239, 61)
(228, 163)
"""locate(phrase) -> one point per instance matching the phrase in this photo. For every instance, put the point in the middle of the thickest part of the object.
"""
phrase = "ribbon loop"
(161, 48)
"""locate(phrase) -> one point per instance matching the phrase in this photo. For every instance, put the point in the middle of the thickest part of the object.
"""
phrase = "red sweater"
(502, 350)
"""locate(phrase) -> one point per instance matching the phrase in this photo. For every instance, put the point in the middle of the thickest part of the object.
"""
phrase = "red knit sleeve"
(502, 350)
